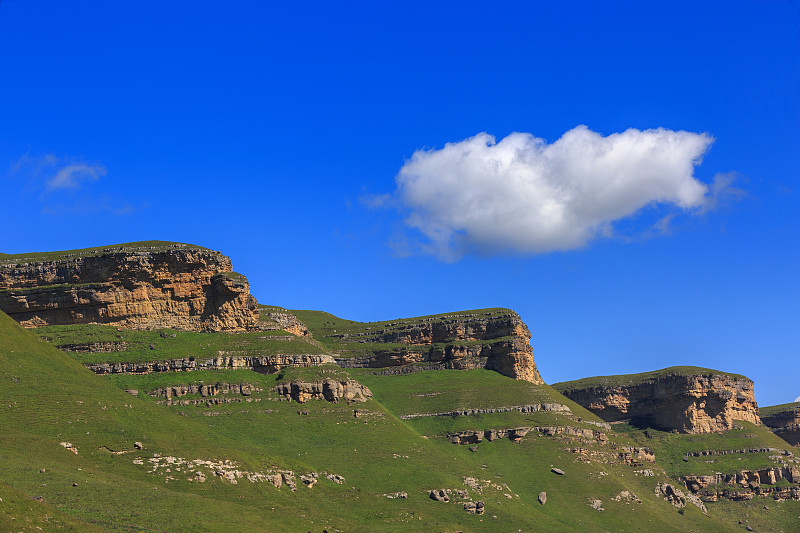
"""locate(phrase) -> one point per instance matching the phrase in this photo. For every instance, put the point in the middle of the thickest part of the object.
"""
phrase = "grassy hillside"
(140, 246)
(643, 377)
(48, 397)
(162, 344)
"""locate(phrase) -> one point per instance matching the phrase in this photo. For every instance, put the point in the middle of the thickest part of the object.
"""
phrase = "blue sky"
(285, 136)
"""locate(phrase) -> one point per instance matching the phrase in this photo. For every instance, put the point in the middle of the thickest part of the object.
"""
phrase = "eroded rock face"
(686, 403)
(785, 423)
(168, 286)
(263, 364)
(288, 322)
(330, 389)
(509, 354)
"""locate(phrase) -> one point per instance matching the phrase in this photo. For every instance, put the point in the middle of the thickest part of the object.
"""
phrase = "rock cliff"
(327, 389)
(496, 339)
(139, 285)
(688, 400)
(784, 420)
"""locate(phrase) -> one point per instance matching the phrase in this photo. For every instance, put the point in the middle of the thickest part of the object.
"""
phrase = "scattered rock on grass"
(439, 495)
(475, 507)
(543, 498)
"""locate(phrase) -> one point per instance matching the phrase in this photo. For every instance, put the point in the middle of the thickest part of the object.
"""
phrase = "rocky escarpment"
(492, 340)
(329, 389)
(784, 420)
(746, 484)
(686, 400)
(138, 285)
(284, 320)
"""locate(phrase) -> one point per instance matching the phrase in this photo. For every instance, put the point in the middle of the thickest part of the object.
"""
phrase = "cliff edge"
(685, 399)
(784, 420)
(495, 339)
(141, 285)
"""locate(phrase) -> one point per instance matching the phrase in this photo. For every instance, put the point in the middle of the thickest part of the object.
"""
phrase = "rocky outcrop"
(689, 403)
(784, 421)
(496, 341)
(264, 364)
(204, 390)
(746, 484)
(286, 321)
(516, 434)
(531, 408)
(95, 347)
(329, 389)
(138, 285)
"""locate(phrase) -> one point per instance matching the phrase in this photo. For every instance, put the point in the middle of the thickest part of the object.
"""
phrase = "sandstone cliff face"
(450, 341)
(165, 286)
(287, 322)
(785, 423)
(686, 403)
(329, 389)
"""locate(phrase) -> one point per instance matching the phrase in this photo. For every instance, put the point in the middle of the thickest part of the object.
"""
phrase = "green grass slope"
(164, 344)
(140, 246)
(48, 397)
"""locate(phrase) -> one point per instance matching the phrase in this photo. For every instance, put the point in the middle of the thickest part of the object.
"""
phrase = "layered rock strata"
(329, 389)
(746, 484)
(700, 403)
(133, 286)
(287, 322)
(204, 390)
(516, 434)
(531, 408)
(265, 364)
(785, 422)
(499, 342)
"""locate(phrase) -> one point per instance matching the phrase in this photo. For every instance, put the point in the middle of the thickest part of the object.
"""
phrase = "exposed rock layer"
(204, 390)
(686, 403)
(449, 342)
(785, 423)
(746, 484)
(515, 434)
(531, 408)
(265, 364)
(166, 286)
(287, 322)
(329, 389)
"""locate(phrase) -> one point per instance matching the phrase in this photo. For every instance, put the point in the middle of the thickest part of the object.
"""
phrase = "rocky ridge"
(689, 403)
(499, 342)
(137, 285)
(784, 421)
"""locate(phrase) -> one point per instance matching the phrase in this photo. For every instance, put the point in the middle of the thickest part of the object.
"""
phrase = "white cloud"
(526, 196)
(797, 399)
(59, 183)
(70, 176)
